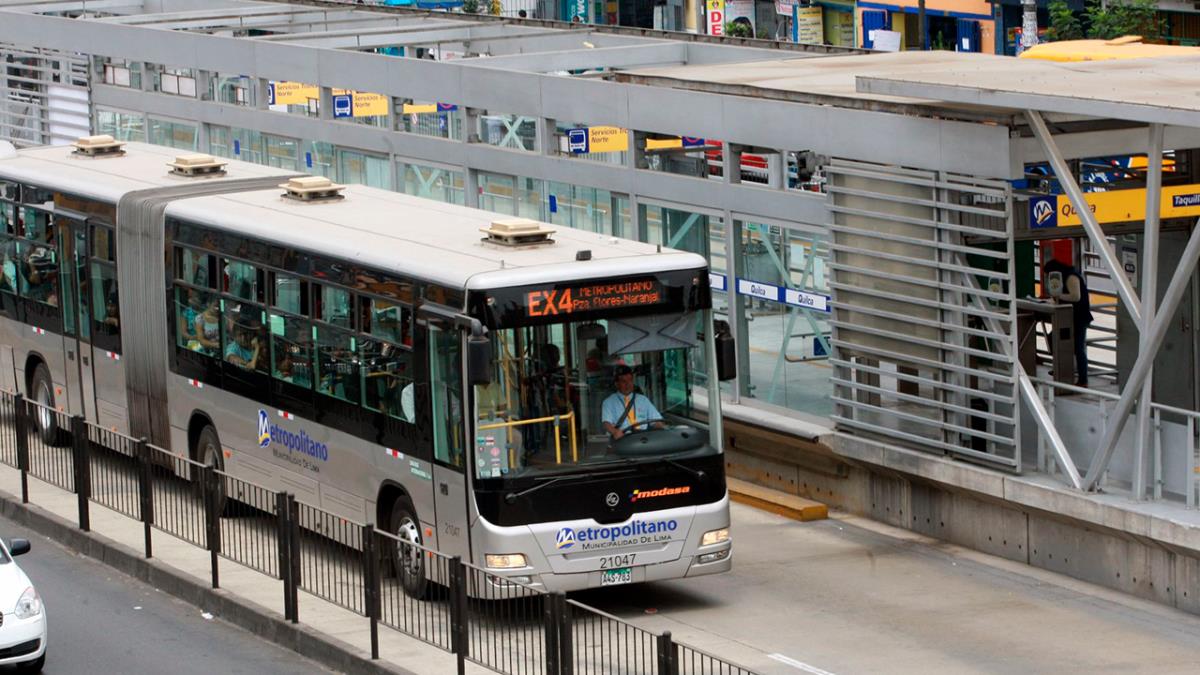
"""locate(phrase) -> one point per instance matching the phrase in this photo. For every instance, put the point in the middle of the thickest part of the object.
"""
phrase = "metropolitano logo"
(264, 429)
(565, 538)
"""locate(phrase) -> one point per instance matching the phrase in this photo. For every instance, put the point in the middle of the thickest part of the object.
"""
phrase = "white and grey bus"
(537, 402)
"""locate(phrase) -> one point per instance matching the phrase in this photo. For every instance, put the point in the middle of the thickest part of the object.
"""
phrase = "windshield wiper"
(698, 473)
(512, 497)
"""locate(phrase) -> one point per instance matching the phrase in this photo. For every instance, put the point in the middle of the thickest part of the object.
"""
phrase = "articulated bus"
(544, 404)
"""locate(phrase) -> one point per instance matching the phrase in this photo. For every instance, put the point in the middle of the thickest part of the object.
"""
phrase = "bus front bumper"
(714, 562)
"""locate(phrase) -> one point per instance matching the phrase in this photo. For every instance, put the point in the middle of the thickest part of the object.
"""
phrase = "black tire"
(45, 422)
(408, 561)
(208, 452)
(34, 666)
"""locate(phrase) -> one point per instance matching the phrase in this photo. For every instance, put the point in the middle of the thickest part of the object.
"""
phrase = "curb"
(268, 625)
(774, 501)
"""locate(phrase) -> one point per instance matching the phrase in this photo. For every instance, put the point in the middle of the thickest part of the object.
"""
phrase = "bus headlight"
(715, 537)
(505, 561)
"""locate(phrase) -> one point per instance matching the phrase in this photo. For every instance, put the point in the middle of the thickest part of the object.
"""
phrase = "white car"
(22, 615)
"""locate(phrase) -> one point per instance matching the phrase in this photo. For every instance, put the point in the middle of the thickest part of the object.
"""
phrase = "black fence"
(478, 615)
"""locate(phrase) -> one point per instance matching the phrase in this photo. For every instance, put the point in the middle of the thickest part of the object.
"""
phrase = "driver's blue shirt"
(643, 410)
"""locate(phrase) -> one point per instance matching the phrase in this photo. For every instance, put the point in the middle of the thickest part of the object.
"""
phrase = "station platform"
(1149, 549)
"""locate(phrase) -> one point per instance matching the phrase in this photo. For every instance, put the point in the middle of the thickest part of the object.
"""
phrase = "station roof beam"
(417, 35)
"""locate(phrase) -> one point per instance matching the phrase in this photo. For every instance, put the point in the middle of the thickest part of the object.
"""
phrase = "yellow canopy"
(1128, 47)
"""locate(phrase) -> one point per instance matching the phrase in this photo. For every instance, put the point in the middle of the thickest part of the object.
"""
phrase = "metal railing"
(602, 644)
(423, 613)
(250, 535)
(177, 494)
(1048, 391)
(45, 437)
(506, 623)
(114, 475)
(478, 615)
(692, 661)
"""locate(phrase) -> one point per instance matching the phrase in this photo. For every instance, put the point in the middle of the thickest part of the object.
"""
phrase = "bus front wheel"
(408, 557)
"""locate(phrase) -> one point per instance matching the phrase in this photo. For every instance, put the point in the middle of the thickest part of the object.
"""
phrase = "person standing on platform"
(1072, 289)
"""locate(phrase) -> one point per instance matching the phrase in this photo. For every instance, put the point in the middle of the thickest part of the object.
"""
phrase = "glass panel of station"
(122, 126)
(783, 315)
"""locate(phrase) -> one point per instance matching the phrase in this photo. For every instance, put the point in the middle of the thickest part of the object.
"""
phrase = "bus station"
(958, 291)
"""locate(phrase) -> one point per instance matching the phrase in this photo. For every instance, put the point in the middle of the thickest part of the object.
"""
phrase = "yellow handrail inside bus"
(569, 418)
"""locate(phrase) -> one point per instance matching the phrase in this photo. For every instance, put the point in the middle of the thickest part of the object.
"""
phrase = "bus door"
(448, 406)
(81, 385)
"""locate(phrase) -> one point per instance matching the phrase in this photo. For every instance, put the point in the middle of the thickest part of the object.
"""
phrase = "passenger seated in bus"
(112, 317)
(186, 313)
(8, 268)
(244, 349)
(626, 410)
(40, 273)
(206, 329)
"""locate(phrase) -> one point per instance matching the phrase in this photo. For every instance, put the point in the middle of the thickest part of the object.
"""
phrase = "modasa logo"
(639, 495)
(302, 443)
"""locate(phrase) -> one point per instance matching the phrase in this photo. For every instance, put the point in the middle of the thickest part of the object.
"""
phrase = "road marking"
(799, 664)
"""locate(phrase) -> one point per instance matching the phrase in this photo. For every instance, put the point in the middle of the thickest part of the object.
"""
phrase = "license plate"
(615, 577)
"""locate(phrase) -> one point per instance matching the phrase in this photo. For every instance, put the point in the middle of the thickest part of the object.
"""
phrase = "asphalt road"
(847, 595)
(104, 622)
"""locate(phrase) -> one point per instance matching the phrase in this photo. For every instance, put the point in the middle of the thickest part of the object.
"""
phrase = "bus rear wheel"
(41, 388)
(208, 452)
(408, 559)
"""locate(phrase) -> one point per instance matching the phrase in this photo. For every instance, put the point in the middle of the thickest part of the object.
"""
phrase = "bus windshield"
(572, 395)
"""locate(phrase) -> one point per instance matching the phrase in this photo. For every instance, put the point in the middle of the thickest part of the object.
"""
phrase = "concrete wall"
(1025, 519)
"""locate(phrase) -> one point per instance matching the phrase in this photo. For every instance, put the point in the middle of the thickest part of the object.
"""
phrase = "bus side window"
(8, 262)
(387, 320)
(332, 305)
(338, 371)
(388, 379)
(198, 320)
(37, 268)
(241, 281)
(194, 268)
(106, 316)
(8, 245)
(288, 293)
(291, 350)
(445, 365)
(245, 339)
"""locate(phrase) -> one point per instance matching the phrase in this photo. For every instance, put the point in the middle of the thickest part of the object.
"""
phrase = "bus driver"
(626, 410)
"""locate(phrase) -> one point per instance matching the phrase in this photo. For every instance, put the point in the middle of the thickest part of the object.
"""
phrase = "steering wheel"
(633, 428)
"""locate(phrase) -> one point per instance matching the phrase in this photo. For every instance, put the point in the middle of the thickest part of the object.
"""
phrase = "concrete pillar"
(326, 104)
(470, 180)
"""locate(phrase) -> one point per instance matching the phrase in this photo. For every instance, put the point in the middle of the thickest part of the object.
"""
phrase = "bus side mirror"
(726, 352)
(479, 360)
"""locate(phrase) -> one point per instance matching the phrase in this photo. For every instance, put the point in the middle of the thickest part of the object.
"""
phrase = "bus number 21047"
(609, 562)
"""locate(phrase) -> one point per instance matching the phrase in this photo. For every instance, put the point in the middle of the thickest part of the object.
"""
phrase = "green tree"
(1064, 25)
(1123, 17)
(471, 6)
(739, 29)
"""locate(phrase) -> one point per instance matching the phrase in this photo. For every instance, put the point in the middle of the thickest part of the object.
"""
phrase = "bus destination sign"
(596, 296)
